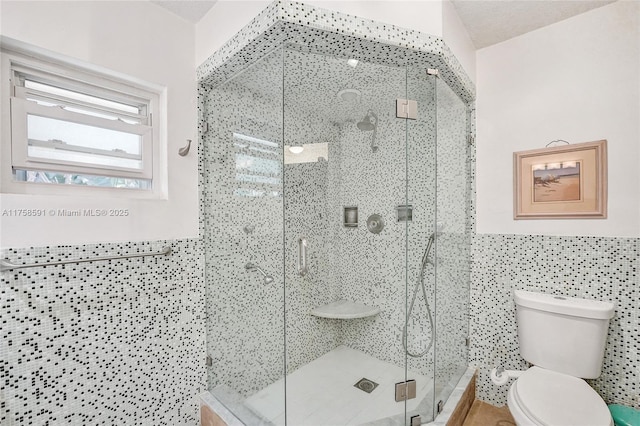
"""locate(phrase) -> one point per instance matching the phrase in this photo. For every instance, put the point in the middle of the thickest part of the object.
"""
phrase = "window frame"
(55, 70)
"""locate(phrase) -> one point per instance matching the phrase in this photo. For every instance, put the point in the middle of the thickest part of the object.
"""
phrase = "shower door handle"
(303, 269)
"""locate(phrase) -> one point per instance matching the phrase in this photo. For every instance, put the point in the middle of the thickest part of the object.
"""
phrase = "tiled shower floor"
(322, 392)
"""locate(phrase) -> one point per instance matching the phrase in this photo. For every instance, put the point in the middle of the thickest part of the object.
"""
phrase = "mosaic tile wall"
(307, 216)
(245, 324)
(374, 267)
(590, 267)
(252, 105)
(324, 31)
(110, 342)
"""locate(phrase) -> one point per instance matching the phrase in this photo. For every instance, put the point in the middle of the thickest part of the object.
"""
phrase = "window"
(77, 127)
(258, 168)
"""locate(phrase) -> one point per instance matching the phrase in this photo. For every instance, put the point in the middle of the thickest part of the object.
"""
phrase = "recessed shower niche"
(350, 217)
(274, 89)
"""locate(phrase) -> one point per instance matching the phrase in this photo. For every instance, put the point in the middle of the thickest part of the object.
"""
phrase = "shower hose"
(420, 284)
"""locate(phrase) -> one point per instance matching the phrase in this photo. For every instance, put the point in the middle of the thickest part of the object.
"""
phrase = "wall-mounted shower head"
(268, 279)
(368, 123)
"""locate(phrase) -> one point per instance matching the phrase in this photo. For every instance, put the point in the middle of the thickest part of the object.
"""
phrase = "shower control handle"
(303, 269)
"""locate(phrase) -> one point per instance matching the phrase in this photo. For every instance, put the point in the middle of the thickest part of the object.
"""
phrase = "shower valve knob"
(375, 223)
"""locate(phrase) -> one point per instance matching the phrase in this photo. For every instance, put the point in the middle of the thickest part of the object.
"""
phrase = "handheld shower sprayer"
(420, 284)
(432, 237)
(268, 279)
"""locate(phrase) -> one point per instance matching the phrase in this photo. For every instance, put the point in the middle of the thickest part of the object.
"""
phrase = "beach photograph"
(556, 182)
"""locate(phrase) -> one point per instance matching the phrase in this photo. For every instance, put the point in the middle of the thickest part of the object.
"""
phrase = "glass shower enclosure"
(337, 240)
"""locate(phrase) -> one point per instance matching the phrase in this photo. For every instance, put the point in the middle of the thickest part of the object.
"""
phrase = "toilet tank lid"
(572, 306)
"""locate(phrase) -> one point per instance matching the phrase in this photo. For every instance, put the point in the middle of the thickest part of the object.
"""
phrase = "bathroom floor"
(322, 392)
(483, 414)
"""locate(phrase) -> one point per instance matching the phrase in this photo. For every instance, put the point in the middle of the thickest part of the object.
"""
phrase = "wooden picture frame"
(563, 182)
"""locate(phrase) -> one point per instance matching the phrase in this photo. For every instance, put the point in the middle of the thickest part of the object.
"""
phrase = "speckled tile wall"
(242, 210)
(374, 269)
(251, 105)
(590, 267)
(109, 342)
(307, 216)
(324, 31)
(310, 86)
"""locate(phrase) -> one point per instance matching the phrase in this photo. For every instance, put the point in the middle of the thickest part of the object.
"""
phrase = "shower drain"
(366, 385)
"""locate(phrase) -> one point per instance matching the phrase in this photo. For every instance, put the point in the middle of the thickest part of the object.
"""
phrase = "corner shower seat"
(345, 309)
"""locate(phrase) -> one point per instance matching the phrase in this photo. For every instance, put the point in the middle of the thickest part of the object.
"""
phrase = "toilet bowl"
(541, 397)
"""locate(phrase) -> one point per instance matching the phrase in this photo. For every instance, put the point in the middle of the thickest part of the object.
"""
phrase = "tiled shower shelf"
(344, 309)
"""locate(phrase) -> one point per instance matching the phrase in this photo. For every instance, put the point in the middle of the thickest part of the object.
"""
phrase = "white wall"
(455, 35)
(433, 17)
(576, 80)
(221, 23)
(139, 39)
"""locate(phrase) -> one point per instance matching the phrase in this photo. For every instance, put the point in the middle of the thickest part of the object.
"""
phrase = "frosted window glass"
(80, 97)
(82, 144)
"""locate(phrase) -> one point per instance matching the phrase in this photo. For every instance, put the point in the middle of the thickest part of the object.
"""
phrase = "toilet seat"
(549, 398)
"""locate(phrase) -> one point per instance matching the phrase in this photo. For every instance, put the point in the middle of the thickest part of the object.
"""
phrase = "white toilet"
(564, 338)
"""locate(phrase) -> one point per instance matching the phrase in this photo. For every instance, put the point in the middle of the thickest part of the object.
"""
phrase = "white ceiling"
(493, 21)
(487, 21)
(191, 10)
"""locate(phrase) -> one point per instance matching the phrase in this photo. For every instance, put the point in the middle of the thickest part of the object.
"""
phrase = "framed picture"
(562, 182)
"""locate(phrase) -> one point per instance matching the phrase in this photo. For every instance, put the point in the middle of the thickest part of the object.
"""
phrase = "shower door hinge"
(209, 361)
(416, 420)
(407, 108)
(466, 342)
(471, 139)
(204, 127)
(405, 390)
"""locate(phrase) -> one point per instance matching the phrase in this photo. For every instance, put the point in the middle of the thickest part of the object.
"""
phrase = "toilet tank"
(563, 334)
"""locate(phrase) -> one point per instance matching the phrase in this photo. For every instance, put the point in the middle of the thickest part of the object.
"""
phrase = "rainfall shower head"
(368, 123)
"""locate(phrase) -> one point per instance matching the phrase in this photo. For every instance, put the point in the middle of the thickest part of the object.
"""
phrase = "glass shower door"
(454, 240)
(422, 240)
(242, 236)
(345, 250)
(438, 238)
